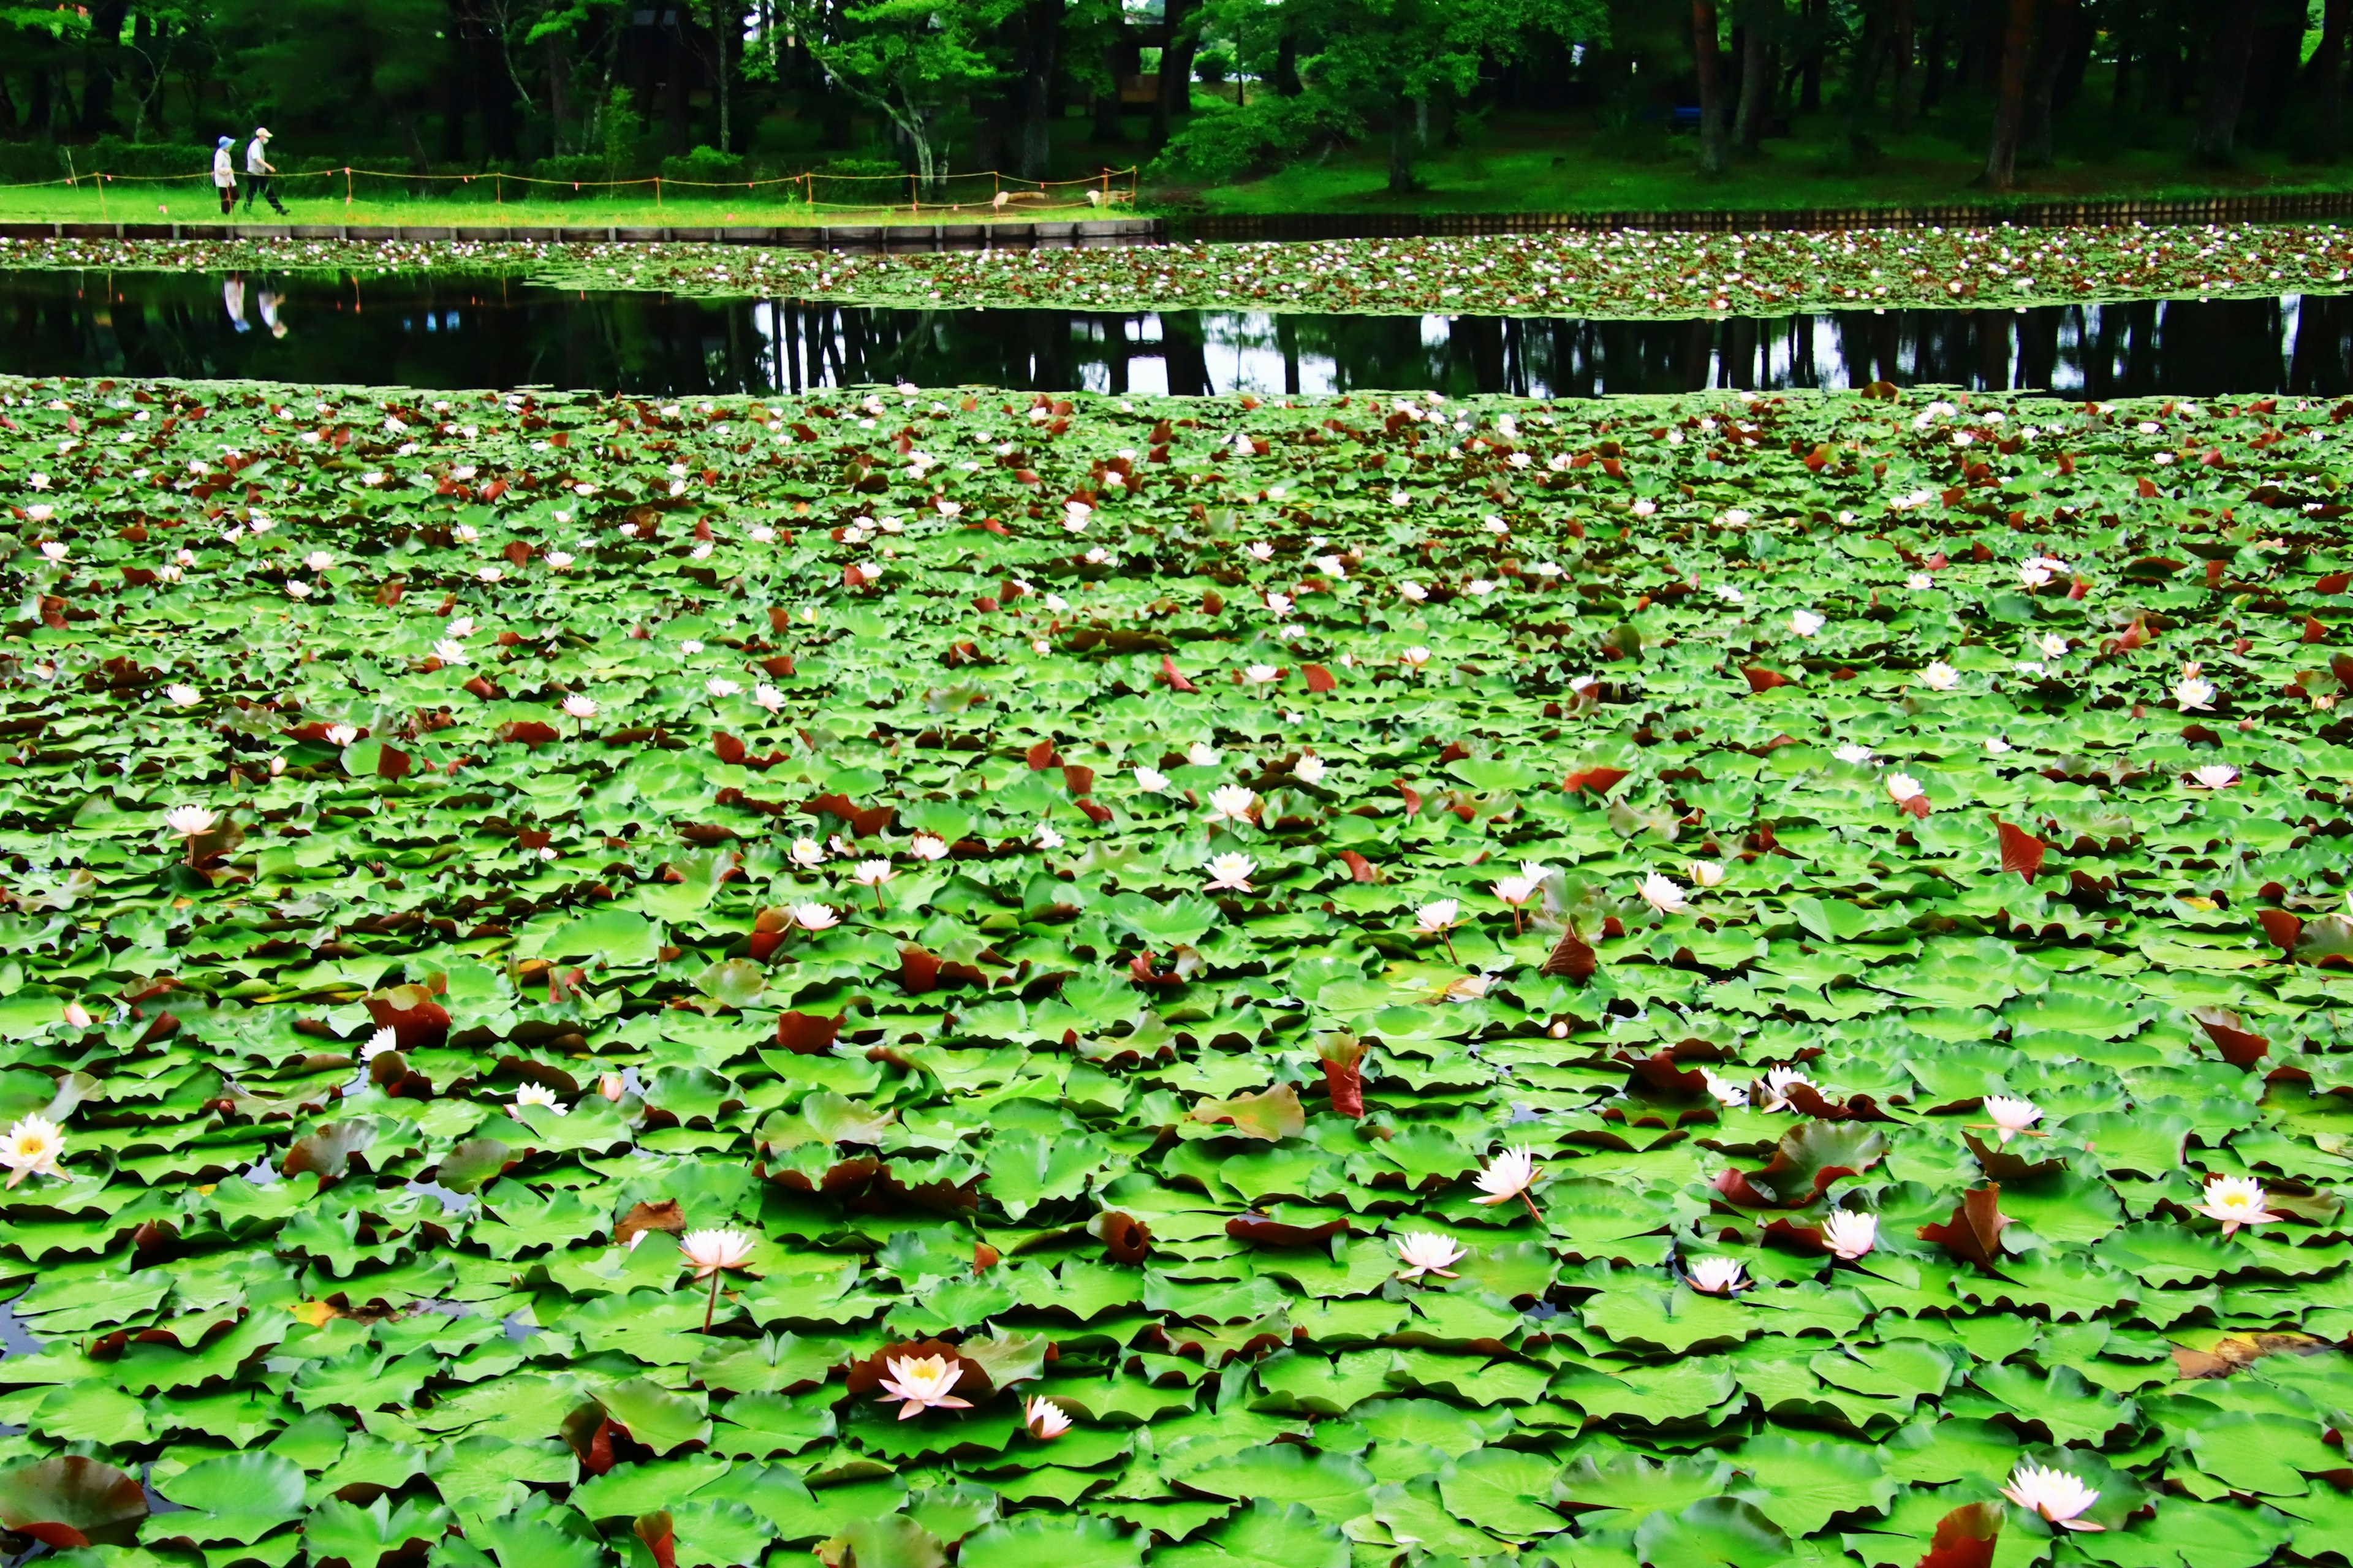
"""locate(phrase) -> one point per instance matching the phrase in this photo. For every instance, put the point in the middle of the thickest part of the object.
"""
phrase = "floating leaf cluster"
(1323, 983)
(1623, 274)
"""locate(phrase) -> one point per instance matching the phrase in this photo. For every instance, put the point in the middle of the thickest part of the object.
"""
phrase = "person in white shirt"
(225, 174)
(257, 172)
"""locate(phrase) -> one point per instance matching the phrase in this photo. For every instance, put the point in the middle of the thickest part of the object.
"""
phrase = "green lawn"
(1525, 163)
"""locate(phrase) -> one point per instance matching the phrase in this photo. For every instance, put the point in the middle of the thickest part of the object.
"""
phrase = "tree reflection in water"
(456, 332)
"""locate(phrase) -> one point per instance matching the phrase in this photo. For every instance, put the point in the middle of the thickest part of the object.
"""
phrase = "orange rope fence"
(1110, 187)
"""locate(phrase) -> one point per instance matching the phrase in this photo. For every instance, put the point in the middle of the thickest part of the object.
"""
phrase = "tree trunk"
(1402, 147)
(724, 30)
(1810, 94)
(1900, 107)
(2326, 71)
(98, 67)
(1711, 87)
(559, 97)
(1862, 80)
(1932, 65)
(2051, 55)
(2009, 108)
(1286, 63)
(1175, 96)
(2233, 45)
(1108, 129)
(1757, 21)
(1034, 149)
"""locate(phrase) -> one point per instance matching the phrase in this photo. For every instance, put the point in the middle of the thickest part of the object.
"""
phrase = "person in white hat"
(258, 170)
(225, 174)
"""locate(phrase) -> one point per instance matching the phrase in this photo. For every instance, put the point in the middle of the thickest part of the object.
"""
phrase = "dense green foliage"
(600, 90)
(1622, 275)
(1869, 760)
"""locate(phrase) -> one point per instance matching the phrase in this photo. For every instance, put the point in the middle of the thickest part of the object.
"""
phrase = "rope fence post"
(347, 186)
(658, 190)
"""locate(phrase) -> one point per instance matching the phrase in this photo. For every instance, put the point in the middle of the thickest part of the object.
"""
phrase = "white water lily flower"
(342, 734)
(812, 916)
(1260, 674)
(2213, 775)
(32, 1148)
(1426, 1252)
(2059, 1496)
(1513, 891)
(709, 1251)
(2050, 644)
(1781, 1083)
(449, 650)
(1233, 802)
(872, 873)
(1232, 873)
(928, 846)
(1850, 752)
(1414, 658)
(1903, 788)
(1805, 623)
(2193, 692)
(768, 697)
(2011, 1115)
(1506, 1177)
(1201, 755)
(1438, 915)
(1152, 781)
(1045, 1419)
(807, 853)
(183, 694)
(1412, 593)
(1715, 1276)
(1919, 582)
(1940, 677)
(2236, 1200)
(535, 1094)
(579, 705)
(1309, 770)
(1849, 1234)
(1995, 745)
(1706, 873)
(1661, 894)
(190, 820)
(720, 686)
(1046, 837)
(381, 1041)
(921, 1383)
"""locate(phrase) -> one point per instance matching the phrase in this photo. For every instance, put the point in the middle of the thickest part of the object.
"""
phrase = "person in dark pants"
(257, 172)
(225, 174)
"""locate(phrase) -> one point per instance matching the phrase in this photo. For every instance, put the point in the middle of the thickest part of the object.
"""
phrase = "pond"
(441, 330)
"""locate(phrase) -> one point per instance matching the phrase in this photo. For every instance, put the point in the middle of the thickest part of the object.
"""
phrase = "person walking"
(257, 172)
(225, 174)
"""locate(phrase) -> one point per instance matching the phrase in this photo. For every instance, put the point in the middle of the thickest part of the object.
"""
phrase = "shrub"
(1223, 143)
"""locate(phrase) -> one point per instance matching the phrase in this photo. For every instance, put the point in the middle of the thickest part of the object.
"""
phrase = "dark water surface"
(454, 332)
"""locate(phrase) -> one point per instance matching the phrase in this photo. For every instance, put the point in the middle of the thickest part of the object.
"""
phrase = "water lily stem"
(1532, 1206)
(712, 1304)
(1448, 938)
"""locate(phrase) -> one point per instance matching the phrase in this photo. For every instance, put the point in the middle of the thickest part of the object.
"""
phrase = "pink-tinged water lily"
(768, 697)
(1850, 1234)
(612, 1086)
(342, 734)
(2011, 1115)
(2059, 1496)
(1715, 1276)
(2193, 691)
(1230, 873)
(2236, 1200)
(581, 706)
(1044, 1419)
(813, 917)
(1414, 658)
(711, 1252)
(1661, 894)
(1506, 1177)
(2213, 775)
(928, 846)
(188, 821)
(923, 1384)
(32, 1148)
(873, 874)
(1426, 1252)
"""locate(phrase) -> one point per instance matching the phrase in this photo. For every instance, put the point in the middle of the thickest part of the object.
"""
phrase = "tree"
(2233, 44)
(2010, 107)
(1760, 23)
(1711, 87)
(2060, 40)
(2327, 72)
(1041, 36)
(912, 61)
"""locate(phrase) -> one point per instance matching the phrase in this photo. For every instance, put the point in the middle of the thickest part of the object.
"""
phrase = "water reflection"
(457, 331)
